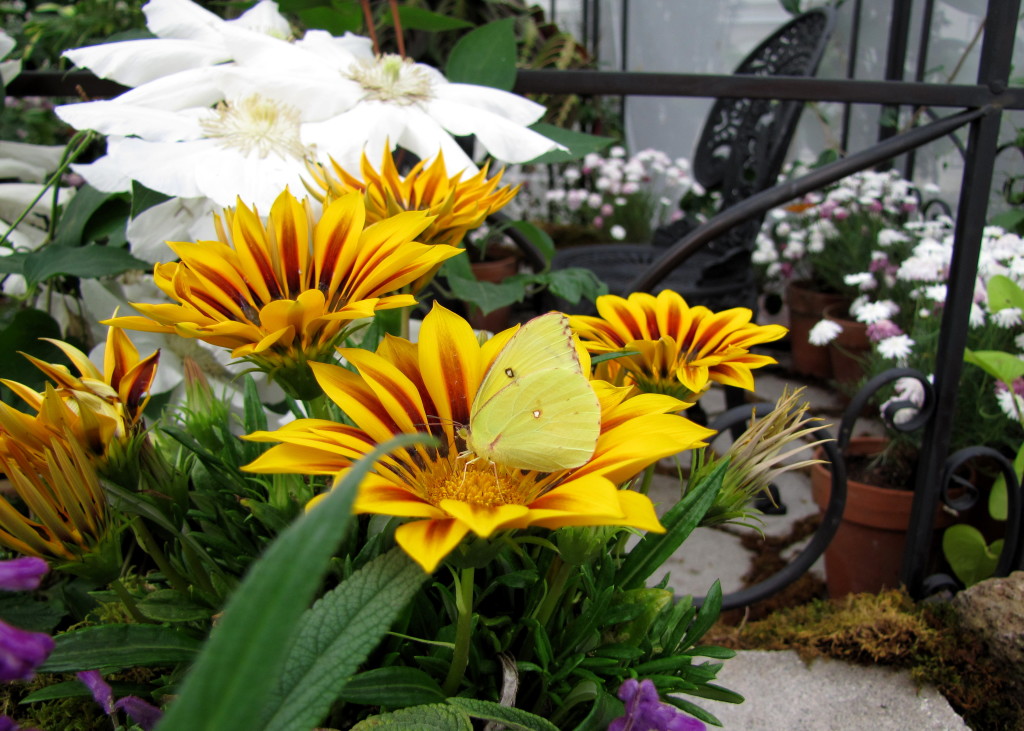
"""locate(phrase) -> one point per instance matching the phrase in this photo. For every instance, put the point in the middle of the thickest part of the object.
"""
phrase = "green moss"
(891, 629)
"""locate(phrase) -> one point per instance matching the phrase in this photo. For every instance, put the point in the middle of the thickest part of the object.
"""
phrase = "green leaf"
(486, 296)
(1012, 220)
(511, 718)
(335, 17)
(26, 612)
(1001, 366)
(119, 646)
(579, 144)
(970, 557)
(1003, 292)
(485, 56)
(20, 333)
(439, 716)
(90, 215)
(167, 605)
(415, 18)
(652, 552)
(88, 262)
(143, 198)
(394, 687)
(575, 283)
(536, 236)
(13, 263)
(76, 689)
(232, 677)
(337, 634)
(998, 506)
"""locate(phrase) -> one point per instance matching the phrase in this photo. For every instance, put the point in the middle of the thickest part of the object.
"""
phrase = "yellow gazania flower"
(94, 407)
(429, 386)
(65, 514)
(679, 349)
(281, 294)
(459, 206)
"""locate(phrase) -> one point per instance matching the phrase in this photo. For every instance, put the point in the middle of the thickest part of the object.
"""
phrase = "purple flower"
(22, 574)
(21, 652)
(646, 712)
(9, 724)
(144, 714)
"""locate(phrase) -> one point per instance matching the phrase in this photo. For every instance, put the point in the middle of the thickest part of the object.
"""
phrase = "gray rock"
(994, 611)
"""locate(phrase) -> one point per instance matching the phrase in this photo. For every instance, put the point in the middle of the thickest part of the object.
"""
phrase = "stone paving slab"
(785, 694)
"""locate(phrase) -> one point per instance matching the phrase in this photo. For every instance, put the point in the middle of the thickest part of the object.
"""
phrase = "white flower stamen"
(391, 78)
(257, 125)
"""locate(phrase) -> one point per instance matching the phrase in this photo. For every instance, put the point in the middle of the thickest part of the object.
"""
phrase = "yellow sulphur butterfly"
(535, 409)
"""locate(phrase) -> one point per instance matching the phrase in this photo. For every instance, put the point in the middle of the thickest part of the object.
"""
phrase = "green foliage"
(119, 645)
(486, 56)
(232, 677)
(970, 556)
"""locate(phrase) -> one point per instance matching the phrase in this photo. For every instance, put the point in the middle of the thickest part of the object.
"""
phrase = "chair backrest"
(743, 145)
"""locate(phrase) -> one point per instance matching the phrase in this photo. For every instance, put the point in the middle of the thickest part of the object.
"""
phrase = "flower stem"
(463, 631)
(559, 572)
(129, 602)
(151, 547)
(645, 485)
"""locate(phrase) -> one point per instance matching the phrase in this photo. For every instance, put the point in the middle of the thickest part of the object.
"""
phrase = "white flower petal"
(135, 62)
(166, 167)
(824, 332)
(182, 19)
(104, 175)
(504, 139)
(114, 118)
(200, 87)
(511, 106)
(226, 175)
(177, 219)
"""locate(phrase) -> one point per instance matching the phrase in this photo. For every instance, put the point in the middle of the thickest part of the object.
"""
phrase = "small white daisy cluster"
(622, 197)
(822, 236)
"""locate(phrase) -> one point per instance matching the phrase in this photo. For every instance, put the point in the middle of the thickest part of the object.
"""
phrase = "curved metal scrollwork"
(803, 561)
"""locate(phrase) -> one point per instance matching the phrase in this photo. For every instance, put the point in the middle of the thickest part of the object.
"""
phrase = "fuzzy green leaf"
(119, 645)
(394, 687)
(510, 718)
(243, 658)
(485, 56)
(167, 605)
(337, 634)
(439, 716)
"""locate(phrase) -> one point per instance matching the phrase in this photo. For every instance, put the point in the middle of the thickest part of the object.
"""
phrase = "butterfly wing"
(543, 343)
(547, 421)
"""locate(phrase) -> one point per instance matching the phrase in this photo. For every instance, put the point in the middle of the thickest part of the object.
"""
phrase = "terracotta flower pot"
(495, 272)
(805, 309)
(846, 352)
(866, 553)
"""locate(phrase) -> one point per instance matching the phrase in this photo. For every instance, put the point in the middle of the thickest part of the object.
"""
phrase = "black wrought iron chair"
(740, 152)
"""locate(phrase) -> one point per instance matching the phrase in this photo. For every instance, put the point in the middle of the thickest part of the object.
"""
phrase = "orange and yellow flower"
(678, 350)
(96, 408)
(64, 514)
(283, 293)
(458, 205)
(429, 386)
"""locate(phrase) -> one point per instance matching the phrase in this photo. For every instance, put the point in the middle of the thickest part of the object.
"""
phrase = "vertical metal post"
(919, 72)
(895, 62)
(994, 69)
(851, 70)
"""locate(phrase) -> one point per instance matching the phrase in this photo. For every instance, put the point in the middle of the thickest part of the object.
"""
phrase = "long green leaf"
(652, 552)
(511, 718)
(119, 645)
(578, 143)
(240, 664)
(337, 634)
(437, 716)
(89, 261)
(395, 687)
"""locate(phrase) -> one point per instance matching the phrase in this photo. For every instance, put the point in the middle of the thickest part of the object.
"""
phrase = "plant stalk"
(463, 631)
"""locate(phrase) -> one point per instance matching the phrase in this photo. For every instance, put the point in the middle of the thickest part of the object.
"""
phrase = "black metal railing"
(981, 106)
